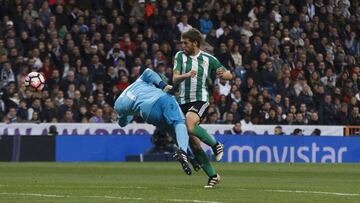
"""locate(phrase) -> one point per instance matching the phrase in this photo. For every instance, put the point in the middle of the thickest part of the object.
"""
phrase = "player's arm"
(221, 71)
(224, 74)
(124, 120)
(177, 77)
(122, 108)
(150, 77)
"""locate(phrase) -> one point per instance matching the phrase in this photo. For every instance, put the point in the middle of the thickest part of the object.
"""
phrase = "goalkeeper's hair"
(194, 35)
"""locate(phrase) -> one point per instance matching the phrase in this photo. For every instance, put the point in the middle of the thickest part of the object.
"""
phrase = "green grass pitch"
(166, 182)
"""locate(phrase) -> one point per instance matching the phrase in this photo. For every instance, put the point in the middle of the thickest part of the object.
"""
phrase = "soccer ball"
(35, 80)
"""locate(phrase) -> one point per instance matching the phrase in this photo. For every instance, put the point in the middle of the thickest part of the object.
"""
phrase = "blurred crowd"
(294, 62)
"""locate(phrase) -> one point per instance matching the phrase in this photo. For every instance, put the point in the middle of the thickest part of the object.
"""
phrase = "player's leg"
(193, 116)
(192, 122)
(174, 117)
(194, 162)
(202, 157)
(166, 112)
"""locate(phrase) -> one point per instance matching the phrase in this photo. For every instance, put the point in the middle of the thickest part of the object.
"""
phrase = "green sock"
(204, 161)
(204, 136)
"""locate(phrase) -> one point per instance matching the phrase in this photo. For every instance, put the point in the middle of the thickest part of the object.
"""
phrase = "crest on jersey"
(204, 63)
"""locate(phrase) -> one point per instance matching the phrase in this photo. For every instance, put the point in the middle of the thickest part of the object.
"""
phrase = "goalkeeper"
(156, 107)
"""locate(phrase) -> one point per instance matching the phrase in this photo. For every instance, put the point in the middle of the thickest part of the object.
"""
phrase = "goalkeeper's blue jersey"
(139, 97)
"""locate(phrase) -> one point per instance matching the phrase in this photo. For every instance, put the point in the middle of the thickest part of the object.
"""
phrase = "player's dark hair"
(193, 35)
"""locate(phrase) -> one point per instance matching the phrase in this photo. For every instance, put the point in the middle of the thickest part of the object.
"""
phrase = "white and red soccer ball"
(35, 80)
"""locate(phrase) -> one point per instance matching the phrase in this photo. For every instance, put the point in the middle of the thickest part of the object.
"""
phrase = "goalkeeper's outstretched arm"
(150, 77)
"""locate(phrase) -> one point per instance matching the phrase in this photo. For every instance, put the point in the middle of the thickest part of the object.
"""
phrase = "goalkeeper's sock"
(204, 160)
(204, 136)
(182, 137)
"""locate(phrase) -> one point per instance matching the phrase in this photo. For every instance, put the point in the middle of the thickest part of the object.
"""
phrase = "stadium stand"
(294, 62)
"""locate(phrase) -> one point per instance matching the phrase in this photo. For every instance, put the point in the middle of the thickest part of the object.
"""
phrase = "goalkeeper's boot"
(195, 164)
(214, 180)
(218, 150)
(180, 156)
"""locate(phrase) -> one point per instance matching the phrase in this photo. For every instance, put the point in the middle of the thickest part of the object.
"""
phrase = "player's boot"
(195, 164)
(180, 155)
(214, 180)
(218, 150)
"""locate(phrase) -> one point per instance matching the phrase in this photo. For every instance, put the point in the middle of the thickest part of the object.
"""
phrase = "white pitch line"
(314, 192)
(95, 186)
(130, 187)
(32, 194)
(303, 191)
(101, 197)
(113, 197)
(68, 196)
(118, 187)
(190, 200)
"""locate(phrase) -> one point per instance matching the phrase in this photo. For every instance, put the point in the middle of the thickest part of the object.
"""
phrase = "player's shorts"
(165, 113)
(198, 107)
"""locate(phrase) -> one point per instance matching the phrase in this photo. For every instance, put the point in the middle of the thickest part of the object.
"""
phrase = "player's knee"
(190, 127)
(191, 121)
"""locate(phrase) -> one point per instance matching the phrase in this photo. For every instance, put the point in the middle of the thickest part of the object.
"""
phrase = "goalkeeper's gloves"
(167, 88)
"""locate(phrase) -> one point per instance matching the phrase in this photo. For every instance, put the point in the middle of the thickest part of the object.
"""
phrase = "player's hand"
(167, 88)
(192, 73)
(220, 72)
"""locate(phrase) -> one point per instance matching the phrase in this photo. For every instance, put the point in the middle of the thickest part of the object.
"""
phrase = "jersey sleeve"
(215, 64)
(150, 77)
(178, 61)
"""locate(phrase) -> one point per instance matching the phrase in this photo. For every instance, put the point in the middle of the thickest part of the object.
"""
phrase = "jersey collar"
(197, 55)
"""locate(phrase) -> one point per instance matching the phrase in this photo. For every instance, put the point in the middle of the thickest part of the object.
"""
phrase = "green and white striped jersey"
(195, 89)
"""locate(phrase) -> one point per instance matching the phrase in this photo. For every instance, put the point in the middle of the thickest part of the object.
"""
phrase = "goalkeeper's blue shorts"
(166, 113)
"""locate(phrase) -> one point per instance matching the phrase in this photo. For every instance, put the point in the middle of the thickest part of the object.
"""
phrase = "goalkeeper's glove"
(167, 88)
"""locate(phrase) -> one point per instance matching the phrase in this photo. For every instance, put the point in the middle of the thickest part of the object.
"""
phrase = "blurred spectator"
(212, 118)
(98, 117)
(229, 118)
(35, 117)
(48, 113)
(297, 132)
(205, 23)
(10, 116)
(68, 117)
(6, 74)
(354, 117)
(36, 106)
(53, 131)
(22, 111)
(183, 25)
(236, 130)
(316, 132)
(327, 111)
(278, 130)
